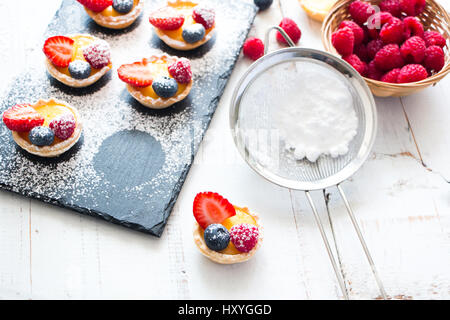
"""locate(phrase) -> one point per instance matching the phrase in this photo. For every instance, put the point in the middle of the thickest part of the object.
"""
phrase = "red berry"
(180, 70)
(413, 50)
(373, 47)
(391, 76)
(244, 236)
(389, 57)
(98, 54)
(391, 6)
(210, 207)
(434, 59)
(253, 48)
(166, 18)
(358, 32)
(22, 118)
(393, 31)
(362, 53)
(63, 126)
(343, 41)
(356, 63)
(377, 20)
(413, 27)
(373, 72)
(360, 11)
(433, 38)
(412, 7)
(204, 16)
(59, 50)
(96, 5)
(137, 74)
(412, 73)
(291, 28)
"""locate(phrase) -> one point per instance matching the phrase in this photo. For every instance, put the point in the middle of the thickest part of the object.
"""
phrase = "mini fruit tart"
(184, 24)
(113, 14)
(47, 128)
(224, 233)
(77, 60)
(159, 81)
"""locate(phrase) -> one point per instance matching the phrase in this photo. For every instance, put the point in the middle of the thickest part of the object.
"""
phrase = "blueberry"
(263, 4)
(41, 136)
(165, 87)
(123, 6)
(80, 69)
(193, 33)
(216, 237)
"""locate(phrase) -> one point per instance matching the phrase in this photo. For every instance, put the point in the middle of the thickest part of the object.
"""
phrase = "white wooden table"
(401, 198)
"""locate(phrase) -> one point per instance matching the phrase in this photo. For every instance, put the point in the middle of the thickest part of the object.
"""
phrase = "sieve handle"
(283, 33)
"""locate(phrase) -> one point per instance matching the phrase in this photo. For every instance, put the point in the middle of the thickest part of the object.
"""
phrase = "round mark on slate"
(129, 158)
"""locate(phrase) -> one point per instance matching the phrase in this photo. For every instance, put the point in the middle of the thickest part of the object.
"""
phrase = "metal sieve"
(256, 137)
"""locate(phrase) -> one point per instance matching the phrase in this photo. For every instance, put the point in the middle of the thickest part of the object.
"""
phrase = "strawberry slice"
(137, 74)
(59, 50)
(96, 5)
(166, 18)
(210, 207)
(22, 118)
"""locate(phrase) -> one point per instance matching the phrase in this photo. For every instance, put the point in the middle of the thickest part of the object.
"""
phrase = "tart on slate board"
(113, 14)
(224, 233)
(77, 60)
(184, 24)
(159, 81)
(47, 128)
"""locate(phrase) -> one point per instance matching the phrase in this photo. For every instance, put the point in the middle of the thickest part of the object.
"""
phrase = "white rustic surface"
(401, 198)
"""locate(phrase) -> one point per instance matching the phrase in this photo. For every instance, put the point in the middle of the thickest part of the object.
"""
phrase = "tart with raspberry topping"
(113, 14)
(224, 233)
(159, 81)
(184, 24)
(77, 60)
(47, 128)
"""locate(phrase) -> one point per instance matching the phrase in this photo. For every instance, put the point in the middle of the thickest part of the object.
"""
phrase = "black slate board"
(131, 162)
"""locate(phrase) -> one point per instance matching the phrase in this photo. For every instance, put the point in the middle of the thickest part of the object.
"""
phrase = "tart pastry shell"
(222, 258)
(119, 22)
(181, 45)
(57, 149)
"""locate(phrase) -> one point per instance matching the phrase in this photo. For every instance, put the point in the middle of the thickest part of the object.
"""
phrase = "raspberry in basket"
(412, 73)
(343, 41)
(434, 59)
(389, 57)
(413, 50)
(360, 11)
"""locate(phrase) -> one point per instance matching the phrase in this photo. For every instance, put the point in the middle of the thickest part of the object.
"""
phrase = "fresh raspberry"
(244, 236)
(412, 7)
(358, 32)
(166, 18)
(362, 53)
(356, 63)
(205, 16)
(22, 118)
(253, 48)
(180, 70)
(391, 76)
(412, 73)
(373, 47)
(434, 59)
(96, 5)
(360, 11)
(433, 38)
(373, 72)
(391, 6)
(393, 31)
(343, 41)
(413, 50)
(98, 54)
(389, 57)
(377, 20)
(413, 27)
(63, 126)
(291, 28)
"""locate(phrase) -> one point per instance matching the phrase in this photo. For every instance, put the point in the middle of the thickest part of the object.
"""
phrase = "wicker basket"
(433, 18)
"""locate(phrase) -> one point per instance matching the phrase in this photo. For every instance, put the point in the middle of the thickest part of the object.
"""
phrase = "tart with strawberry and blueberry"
(159, 81)
(184, 24)
(113, 14)
(47, 128)
(77, 60)
(224, 233)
